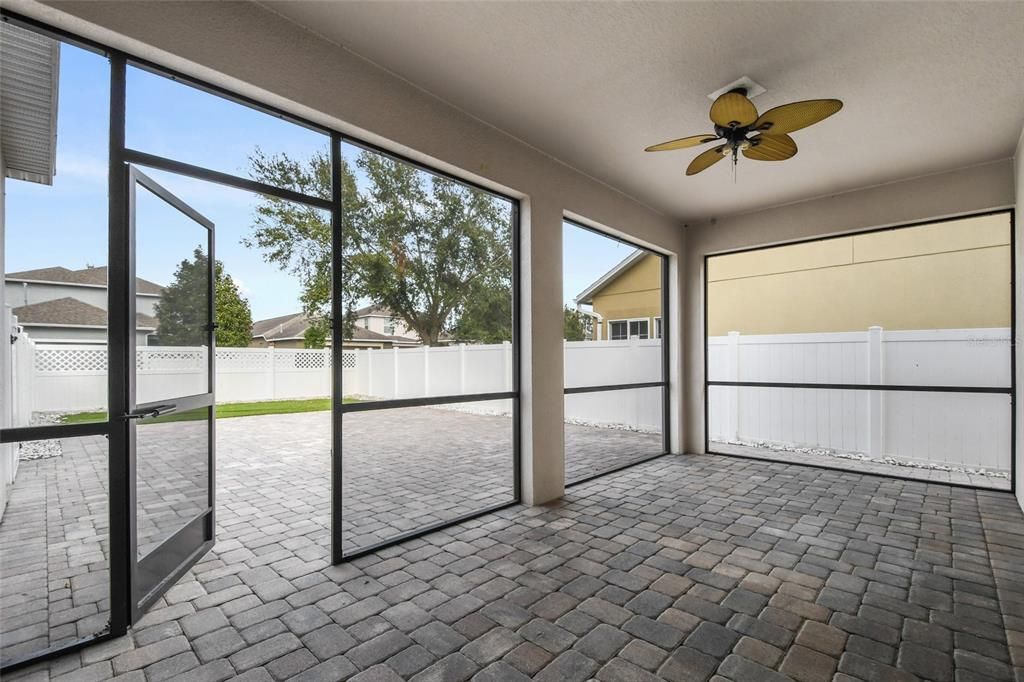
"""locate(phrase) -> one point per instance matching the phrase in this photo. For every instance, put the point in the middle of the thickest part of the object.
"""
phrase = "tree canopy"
(182, 311)
(435, 252)
(578, 326)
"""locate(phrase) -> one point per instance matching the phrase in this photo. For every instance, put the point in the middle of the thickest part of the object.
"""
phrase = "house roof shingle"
(71, 311)
(96, 276)
(295, 325)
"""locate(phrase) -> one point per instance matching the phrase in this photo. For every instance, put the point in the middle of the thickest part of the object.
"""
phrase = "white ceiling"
(927, 86)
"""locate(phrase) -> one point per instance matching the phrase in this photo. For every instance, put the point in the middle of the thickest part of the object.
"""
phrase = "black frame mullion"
(1010, 390)
(601, 388)
(226, 179)
(120, 365)
(337, 327)
(925, 388)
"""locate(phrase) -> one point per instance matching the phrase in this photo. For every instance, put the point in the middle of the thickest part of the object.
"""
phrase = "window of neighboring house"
(657, 327)
(618, 330)
(639, 328)
(366, 323)
(389, 327)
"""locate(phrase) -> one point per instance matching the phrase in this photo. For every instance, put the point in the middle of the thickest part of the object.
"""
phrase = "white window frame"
(657, 327)
(629, 322)
(611, 334)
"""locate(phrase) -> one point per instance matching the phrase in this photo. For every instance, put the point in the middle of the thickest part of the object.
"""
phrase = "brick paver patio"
(404, 469)
(681, 568)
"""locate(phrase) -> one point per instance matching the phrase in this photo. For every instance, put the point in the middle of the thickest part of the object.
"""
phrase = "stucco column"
(693, 347)
(542, 450)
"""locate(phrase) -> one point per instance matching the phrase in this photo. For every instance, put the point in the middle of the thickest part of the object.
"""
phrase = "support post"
(272, 373)
(394, 373)
(732, 373)
(369, 371)
(506, 348)
(426, 370)
(876, 407)
(462, 368)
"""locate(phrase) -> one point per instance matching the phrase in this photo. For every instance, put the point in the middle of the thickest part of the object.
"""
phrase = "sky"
(66, 224)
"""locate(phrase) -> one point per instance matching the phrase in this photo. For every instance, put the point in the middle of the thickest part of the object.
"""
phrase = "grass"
(224, 411)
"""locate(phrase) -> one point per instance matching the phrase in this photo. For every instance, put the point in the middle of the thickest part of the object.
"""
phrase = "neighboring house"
(369, 331)
(626, 301)
(381, 320)
(58, 305)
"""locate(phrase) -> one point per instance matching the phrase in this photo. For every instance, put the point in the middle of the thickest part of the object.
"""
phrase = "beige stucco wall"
(948, 275)
(227, 44)
(968, 190)
(636, 293)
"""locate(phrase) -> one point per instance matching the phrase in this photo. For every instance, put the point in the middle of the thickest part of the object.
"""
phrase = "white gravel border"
(861, 457)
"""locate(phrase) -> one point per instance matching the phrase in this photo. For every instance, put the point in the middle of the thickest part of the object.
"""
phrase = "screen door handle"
(155, 411)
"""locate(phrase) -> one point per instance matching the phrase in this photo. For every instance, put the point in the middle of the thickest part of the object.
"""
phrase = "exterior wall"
(23, 293)
(76, 335)
(314, 78)
(950, 275)
(636, 293)
(975, 189)
(379, 323)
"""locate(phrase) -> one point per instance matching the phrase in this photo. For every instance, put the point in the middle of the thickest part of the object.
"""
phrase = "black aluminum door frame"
(154, 573)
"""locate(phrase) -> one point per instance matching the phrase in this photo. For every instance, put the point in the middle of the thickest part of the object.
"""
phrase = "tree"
(182, 311)
(315, 336)
(433, 251)
(234, 317)
(578, 326)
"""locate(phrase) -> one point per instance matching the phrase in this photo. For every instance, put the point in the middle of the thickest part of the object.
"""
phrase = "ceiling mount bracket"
(753, 89)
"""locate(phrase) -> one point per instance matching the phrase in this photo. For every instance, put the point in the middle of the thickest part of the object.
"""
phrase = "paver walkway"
(403, 469)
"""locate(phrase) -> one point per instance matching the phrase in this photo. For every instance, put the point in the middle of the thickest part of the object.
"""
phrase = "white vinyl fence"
(956, 429)
(970, 430)
(66, 378)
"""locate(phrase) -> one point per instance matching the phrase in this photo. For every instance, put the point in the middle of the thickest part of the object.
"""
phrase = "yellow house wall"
(634, 294)
(953, 274)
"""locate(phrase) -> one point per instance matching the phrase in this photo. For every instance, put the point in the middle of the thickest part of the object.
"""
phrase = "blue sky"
(66, 223)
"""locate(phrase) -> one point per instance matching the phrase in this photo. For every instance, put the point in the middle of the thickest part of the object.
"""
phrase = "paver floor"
(404, 469)
(681, 568)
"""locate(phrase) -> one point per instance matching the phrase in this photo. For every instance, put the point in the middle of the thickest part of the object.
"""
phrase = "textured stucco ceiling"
(927, 86)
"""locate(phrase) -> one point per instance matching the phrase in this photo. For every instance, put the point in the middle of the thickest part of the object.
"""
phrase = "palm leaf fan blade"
(733, 110)
(681, 143)
(705, 160)
(765, 147)
(796, 116)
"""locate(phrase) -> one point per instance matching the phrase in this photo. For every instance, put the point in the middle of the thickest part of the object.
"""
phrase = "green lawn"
(226, 410)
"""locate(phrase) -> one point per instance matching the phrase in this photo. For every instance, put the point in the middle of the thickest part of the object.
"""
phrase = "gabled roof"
(73, 312)
(374, 309)
(587, 295)
(289, 327)
(96, 276)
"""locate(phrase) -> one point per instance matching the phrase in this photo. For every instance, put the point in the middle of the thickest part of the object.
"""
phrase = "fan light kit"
(763, 137)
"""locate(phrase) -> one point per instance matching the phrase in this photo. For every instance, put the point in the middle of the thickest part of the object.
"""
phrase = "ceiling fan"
(761, 138)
